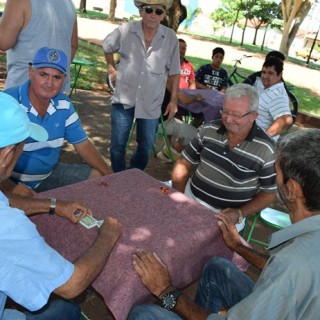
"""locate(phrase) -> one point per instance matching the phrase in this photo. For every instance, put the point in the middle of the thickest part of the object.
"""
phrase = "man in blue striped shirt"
(233, 160)
(38, 167)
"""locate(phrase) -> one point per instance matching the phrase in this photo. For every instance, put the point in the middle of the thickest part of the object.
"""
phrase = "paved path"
(96, 30)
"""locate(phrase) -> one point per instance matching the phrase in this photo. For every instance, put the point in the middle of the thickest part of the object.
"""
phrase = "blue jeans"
(64, 174)
(121, 123)
(56, 309)
(221, 284)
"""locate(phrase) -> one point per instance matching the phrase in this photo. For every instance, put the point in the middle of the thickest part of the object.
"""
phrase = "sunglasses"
(149, 10)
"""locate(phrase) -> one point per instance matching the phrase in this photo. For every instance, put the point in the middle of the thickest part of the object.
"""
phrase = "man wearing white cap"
(25, 280)
(38, 167)
(149, 55)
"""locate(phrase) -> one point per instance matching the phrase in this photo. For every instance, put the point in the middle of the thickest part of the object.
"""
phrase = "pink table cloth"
(183, 233)
(210, 107)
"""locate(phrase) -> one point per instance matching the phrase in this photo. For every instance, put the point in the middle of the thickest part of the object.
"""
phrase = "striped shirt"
(61, 122)
(230, 177)
(273, 103)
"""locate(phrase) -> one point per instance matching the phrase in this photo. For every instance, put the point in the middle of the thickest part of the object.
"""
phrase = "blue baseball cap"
(15, 125)
(50, 58)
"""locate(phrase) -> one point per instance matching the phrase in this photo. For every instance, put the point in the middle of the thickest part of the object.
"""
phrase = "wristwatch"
(240, 219)
(53, 203)
(169, 300)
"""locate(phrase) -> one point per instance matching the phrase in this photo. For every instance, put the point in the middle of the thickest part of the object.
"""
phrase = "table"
(78, 63)
(183, 233)
(210, 107)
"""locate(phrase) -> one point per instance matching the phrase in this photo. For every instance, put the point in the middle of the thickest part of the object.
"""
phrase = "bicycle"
(235, 75)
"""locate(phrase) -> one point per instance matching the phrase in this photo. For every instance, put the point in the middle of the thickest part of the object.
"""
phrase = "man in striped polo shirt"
(274, 112)
(38, 168)
(233, 160)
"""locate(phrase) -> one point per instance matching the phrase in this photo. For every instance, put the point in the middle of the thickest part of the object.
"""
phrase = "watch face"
(169, 301)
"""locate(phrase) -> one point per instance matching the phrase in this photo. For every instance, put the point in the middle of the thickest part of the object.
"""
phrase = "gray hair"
(244, 90)
(298, 155)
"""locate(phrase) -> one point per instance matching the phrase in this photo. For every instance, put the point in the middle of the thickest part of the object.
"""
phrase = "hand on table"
(111, 227)
(68, 209)
(152, 271)
(230, 233)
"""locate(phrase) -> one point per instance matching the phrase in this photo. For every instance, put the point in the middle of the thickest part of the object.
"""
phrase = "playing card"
(89, 222)
(99, 223)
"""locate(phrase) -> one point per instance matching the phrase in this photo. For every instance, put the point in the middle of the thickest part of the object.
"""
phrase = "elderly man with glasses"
(233, 160)
(149, 55)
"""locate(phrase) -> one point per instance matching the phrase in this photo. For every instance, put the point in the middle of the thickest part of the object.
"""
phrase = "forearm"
(259, 202)
(174, 87)
(92, 157)
(110, 61)
(255, 258)
(279, 125)
(89, 265)
(74, 40)
(29, 205)
(201, 86)
(180, 174)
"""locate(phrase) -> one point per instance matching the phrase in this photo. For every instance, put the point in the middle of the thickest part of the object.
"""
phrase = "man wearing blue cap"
(38, 167)
(25, 280)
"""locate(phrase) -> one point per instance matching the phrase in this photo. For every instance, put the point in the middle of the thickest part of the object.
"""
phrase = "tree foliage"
(175, 15)
(264, 13)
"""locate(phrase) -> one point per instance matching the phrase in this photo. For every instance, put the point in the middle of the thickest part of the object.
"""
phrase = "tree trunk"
(83, 6)
(175, 15)
(112, 10)
(243, 32)
(264, 37)
(255, 36)
(233, 26)
(293, 16)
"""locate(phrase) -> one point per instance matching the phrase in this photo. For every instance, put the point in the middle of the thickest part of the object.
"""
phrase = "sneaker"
(176, 155)
(163, 157)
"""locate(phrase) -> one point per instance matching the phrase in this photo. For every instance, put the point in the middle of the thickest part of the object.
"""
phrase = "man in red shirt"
(187, 78)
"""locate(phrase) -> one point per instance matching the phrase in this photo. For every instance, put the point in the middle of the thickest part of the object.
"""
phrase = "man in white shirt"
(274, 112)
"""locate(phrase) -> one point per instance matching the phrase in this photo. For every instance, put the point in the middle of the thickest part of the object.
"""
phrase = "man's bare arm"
(92, 157)
(233, 241)
(74, 39)
(15, 17)
(181, 174)
(279, 125)
(91, 262)
(259, 202)
(155, 276)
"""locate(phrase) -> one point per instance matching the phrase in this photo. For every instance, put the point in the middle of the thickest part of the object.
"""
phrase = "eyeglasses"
(233, 115)
(149, 10)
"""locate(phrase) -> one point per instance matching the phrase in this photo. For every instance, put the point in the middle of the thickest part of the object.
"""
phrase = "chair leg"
(254, 221)
(166, 140)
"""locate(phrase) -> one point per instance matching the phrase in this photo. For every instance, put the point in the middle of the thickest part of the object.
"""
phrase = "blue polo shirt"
(61, 122)
(30, 270)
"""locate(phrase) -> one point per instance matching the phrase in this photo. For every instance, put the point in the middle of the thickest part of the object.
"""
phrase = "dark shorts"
(64, 174)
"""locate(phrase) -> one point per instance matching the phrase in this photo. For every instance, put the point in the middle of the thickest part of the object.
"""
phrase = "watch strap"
(53, 203)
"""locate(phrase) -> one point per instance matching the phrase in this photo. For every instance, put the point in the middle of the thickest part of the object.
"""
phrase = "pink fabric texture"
(210, 106)
(183, 233)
